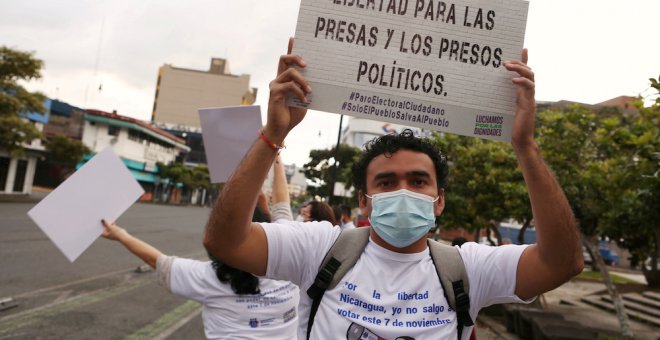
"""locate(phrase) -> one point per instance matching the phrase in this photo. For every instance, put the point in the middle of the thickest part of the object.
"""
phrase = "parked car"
(610, 257)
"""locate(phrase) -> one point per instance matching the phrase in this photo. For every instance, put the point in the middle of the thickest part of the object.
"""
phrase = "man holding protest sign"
(384, 295)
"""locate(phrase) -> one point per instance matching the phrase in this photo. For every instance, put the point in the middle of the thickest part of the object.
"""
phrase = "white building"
(17, 173)
(139, 144)
(296, 182)
(359, 131)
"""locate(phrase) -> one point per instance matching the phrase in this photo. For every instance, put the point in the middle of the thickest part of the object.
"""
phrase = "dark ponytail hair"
(241, 282)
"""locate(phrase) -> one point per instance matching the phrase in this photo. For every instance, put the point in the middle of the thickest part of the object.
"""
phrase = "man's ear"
(362, 200)
(440, 203)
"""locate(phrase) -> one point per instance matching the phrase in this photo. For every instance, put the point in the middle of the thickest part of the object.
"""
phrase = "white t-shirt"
(348, 225)
(272, 314)
(281, 211)
(386, 294)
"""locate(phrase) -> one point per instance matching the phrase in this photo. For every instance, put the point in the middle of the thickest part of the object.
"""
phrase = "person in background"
(346, 217)
(280, 200)
(458, 241)
(318, 211)
(236, 304)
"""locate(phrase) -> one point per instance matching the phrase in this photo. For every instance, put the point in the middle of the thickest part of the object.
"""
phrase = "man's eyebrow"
(418, 173)
(382, 175)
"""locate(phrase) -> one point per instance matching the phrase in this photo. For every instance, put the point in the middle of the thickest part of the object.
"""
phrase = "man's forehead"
(402, 162)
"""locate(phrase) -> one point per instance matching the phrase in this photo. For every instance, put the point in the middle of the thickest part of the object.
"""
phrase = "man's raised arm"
(230, 235)
(557, 254)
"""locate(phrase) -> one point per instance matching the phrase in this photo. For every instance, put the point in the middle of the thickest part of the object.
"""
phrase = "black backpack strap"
(462, 307)
(453, 277)
(341, 257)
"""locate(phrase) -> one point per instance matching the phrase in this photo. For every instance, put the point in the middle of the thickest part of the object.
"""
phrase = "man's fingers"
(296, 90)
(289, 87)
(288, 60)
(290, 47)
(524, 56)
(294, 75)
(524, 82)
(522, 69)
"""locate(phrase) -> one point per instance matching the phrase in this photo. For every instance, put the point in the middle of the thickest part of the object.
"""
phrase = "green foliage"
(66, 150)
(484, 183)
(191, 177)
(609, 168)
(633, 164)
(14, 99)
(567, 142)
(319, 170)
(14, 132)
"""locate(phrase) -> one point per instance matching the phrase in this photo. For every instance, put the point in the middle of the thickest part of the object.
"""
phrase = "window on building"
(113, 130)
(4, 171)
(19, 180)
(134, 135)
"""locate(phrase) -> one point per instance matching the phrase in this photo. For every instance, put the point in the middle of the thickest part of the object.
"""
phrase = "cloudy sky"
(581, 50)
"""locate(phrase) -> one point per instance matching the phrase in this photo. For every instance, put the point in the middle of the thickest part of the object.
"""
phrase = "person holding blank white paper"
(236, 304)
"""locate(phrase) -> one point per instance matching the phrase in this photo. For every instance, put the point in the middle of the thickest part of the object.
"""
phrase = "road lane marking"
(26, 318)
(169, 323)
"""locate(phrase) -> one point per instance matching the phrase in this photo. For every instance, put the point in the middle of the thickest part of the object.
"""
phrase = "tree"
(320, 169)
(190, 178)
(633, 146)
(63, 155)
(65, 150)
(14, 99)
(570, 145)
(485, 185)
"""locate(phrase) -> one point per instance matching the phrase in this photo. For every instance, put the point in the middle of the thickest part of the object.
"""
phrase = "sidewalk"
(37, 195)
(565, 301)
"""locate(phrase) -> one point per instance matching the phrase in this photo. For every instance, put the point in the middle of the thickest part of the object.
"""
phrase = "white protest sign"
(436, 65)
(71, 214)
(228, 133)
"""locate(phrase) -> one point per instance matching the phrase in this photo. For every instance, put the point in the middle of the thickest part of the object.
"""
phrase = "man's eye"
(384, 184)
(419, 182)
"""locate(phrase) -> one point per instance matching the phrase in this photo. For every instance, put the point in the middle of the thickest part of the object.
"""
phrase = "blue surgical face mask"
(402, 217)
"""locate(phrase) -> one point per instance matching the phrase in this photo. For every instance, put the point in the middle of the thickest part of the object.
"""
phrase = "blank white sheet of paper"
(228, 133)
(71, 214)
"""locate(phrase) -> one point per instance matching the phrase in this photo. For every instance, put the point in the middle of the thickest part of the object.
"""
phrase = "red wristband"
(271, 144)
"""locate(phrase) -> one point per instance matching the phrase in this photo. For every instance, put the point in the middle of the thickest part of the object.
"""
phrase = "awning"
(143, 176)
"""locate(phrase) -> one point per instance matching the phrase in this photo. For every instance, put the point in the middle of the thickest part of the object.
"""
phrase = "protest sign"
(228, 133)
(436, 65)
(71, 214)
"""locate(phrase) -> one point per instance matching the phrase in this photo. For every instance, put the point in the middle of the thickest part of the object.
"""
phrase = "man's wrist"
(273, 135)
(526, 150)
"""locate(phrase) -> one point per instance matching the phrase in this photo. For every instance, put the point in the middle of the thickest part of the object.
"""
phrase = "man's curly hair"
(387, 145)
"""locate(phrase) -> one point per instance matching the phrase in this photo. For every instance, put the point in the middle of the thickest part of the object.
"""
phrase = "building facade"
(193, 138)
(139, 144)
(17, 173)
(64, 120)
(181, 92)
(359, 131)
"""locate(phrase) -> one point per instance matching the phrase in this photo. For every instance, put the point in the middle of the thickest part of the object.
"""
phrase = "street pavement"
(107, 294)
(100, 295)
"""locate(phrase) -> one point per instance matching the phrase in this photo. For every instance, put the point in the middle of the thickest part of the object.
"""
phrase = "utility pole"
(335, 168)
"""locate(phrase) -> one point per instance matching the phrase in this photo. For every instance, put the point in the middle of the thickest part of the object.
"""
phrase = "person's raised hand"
(111, 231)
(523, 126)
(281, 117)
